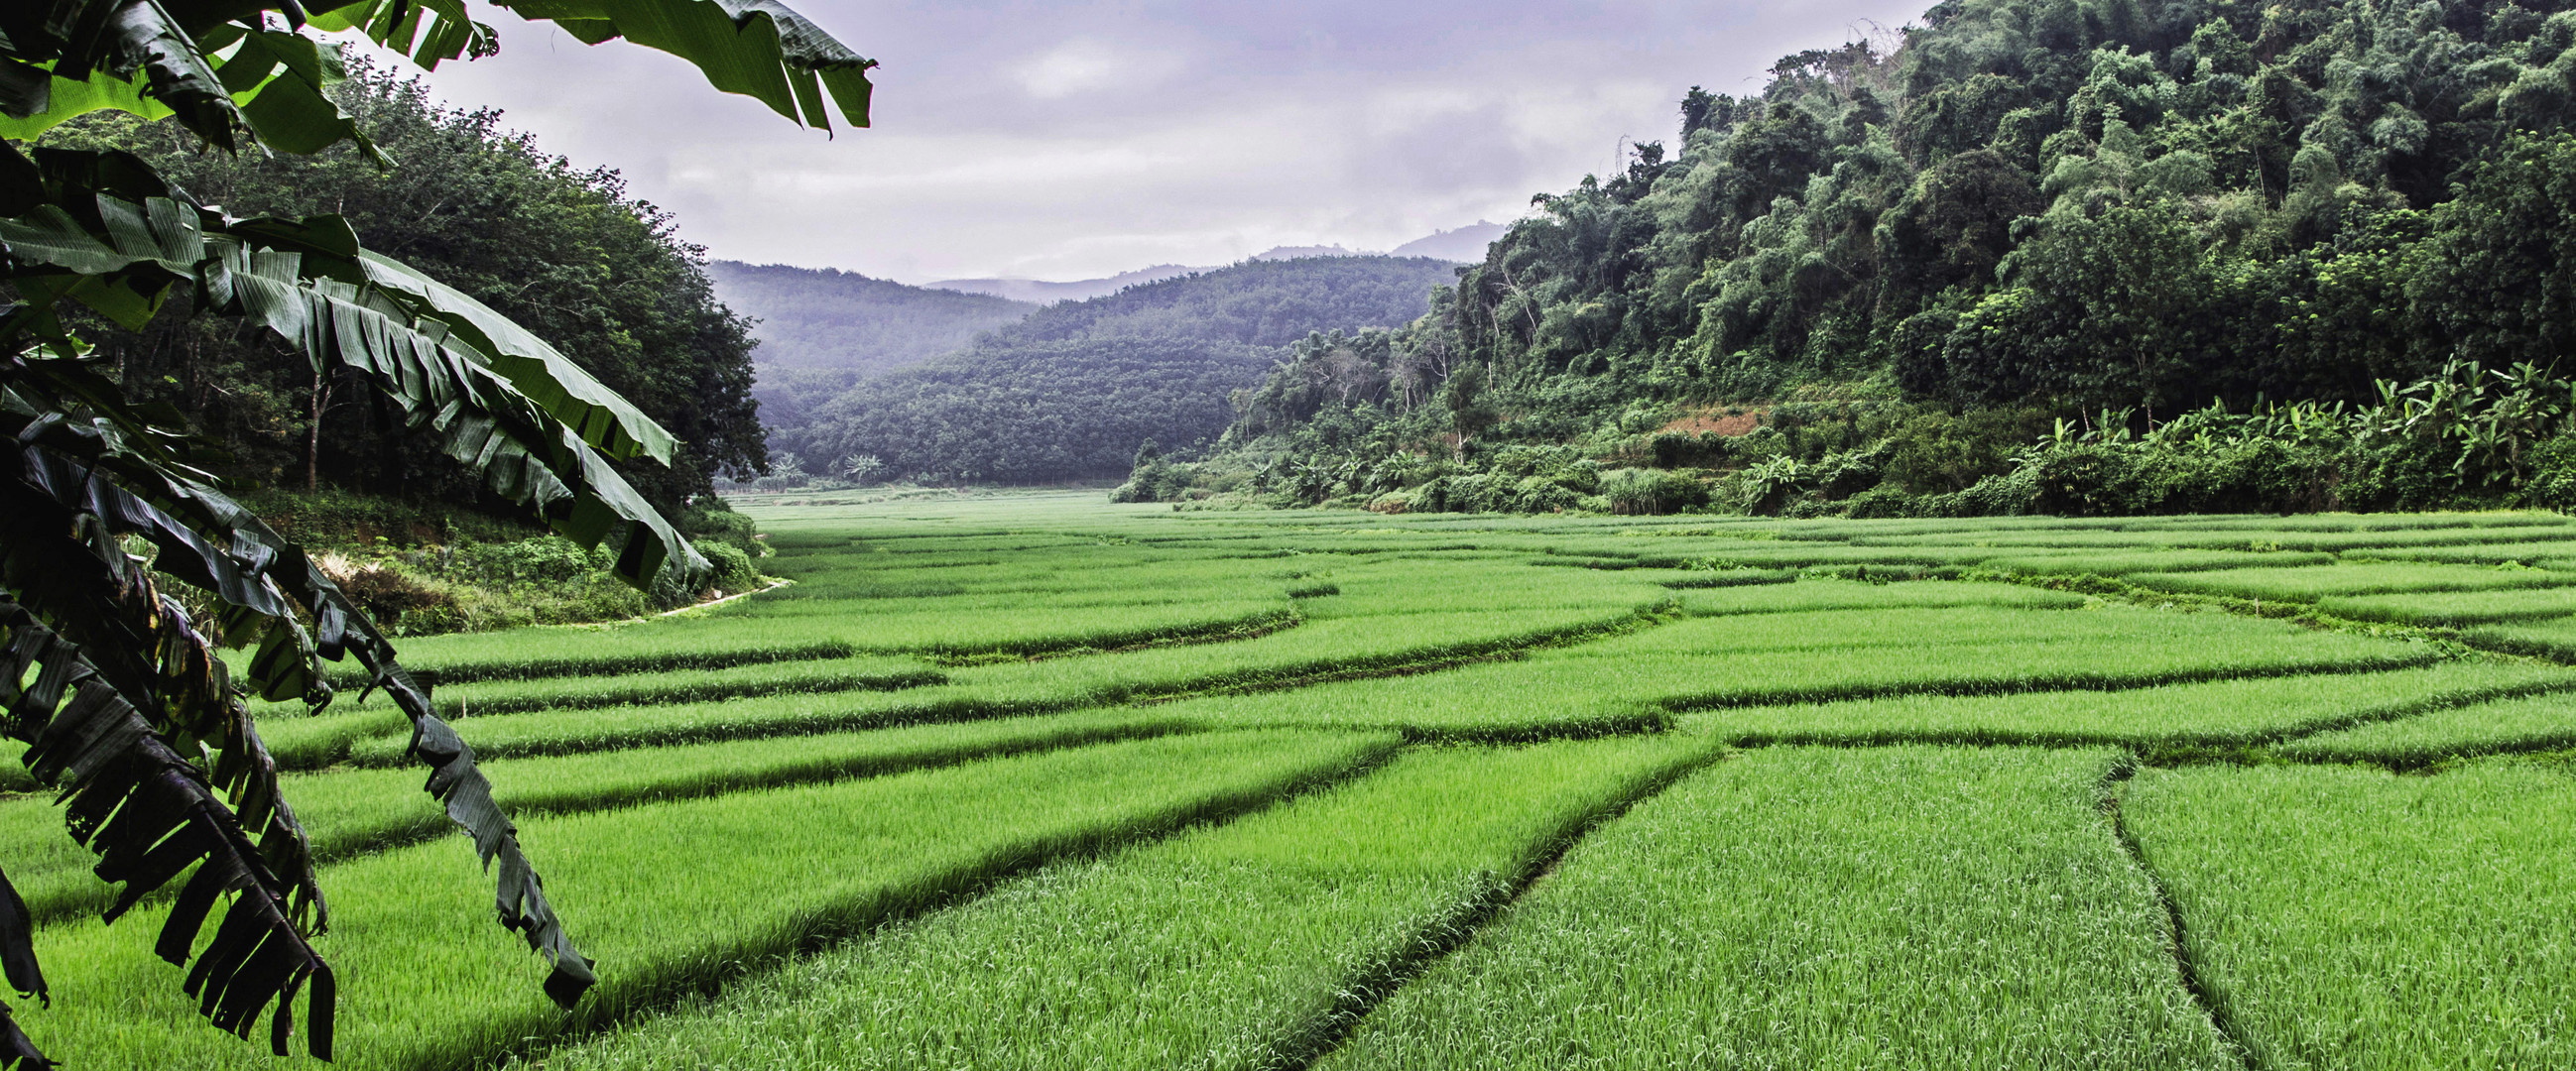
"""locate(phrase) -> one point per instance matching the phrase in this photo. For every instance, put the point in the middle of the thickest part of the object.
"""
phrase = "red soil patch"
(1710, 422)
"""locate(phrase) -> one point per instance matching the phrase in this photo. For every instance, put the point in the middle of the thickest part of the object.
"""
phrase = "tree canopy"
(2063, 206)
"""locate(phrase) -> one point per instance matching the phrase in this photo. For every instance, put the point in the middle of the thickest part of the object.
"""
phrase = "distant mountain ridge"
(1071, 390)
(1039, 291)
(1464, 245)
(821, 329)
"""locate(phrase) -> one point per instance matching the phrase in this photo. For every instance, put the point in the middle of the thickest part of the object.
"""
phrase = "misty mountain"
(1071, 390)
(1466, 245)
(821, 330)
(1047, 293)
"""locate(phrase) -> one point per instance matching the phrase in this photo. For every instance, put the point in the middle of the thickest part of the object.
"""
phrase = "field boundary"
(1360, 996)
(2206, 996)
(973, 882)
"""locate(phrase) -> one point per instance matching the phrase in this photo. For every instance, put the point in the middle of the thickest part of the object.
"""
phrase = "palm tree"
(117, 691)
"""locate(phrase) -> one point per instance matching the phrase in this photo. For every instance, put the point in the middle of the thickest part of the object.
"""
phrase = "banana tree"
(119, 694)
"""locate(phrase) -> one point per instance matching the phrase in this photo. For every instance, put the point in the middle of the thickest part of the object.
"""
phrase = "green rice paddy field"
(1034, 781)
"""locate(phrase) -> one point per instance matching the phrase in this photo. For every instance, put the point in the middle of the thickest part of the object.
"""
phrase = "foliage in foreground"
(118, 692)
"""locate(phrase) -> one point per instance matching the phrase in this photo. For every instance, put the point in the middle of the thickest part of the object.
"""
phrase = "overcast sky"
(1071, 140)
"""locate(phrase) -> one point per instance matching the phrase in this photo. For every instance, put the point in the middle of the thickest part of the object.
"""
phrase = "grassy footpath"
(1802, 908)
(670, 898)
(2352, 920)
(1248, 945)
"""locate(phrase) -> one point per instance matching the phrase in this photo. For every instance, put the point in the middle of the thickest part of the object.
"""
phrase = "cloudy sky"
(1071, 140)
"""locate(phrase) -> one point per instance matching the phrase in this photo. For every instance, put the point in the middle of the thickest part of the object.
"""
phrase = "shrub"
(1651, 491)
(2552, 484)
(734, 573)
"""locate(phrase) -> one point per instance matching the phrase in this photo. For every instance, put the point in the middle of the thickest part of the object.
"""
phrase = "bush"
(2552, 484)
(1651, 491)
(715, 522)
(545, 560)
(734, 573)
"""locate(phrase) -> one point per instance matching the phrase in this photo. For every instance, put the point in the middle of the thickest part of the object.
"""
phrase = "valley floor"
(1032, 780)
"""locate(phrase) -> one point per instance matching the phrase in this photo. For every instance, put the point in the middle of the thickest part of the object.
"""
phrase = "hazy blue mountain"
(1465, 245)
(1070, 391)
(1047, 293)
(821, 330)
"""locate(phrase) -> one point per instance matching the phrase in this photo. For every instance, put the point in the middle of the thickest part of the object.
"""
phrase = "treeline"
(559, 249)
(1071, 391)
(2042, 210)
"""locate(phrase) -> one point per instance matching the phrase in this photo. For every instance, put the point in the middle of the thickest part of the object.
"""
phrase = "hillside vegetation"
(560, 250)
(2333, 233)
(821, 329)
(1071, 391)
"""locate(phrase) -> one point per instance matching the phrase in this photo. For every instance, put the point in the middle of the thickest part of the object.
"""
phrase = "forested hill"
(2037, 209)
(1072, 390)
(562, 250)
(1257, 302)
(822, 330)
(821, 318)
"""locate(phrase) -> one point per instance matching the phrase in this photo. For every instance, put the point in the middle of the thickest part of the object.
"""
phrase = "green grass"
(669, 898)
(1639, 682)
(2119, 563)
(877, 673)
(2207, 714)
(2351, 919)
(2534, 723)
(350, 811)
(2361, 578)
(1321, 649)
(2454, 609)
(1247, 945)
(712, 641)
(1793, 908)
(2553, 639)
(1826, 594)
(779, 869)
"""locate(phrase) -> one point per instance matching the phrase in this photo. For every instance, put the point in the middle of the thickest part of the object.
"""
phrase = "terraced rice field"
(1034, 781)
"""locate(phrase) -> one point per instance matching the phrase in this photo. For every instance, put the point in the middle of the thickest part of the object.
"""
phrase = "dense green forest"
(560, 250)
(2086, 255)
(415, 537)
(1072, 391)
(822, 330)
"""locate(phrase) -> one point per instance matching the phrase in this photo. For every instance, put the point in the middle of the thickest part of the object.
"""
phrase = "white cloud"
(1084, 66)
(1085, 138)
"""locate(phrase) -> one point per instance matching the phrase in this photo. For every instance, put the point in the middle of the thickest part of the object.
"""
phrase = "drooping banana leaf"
(129, 54)
(214, 543)
(422, 343)
(759, 48)
(150, 817)
(61, 555)
(18, 961)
